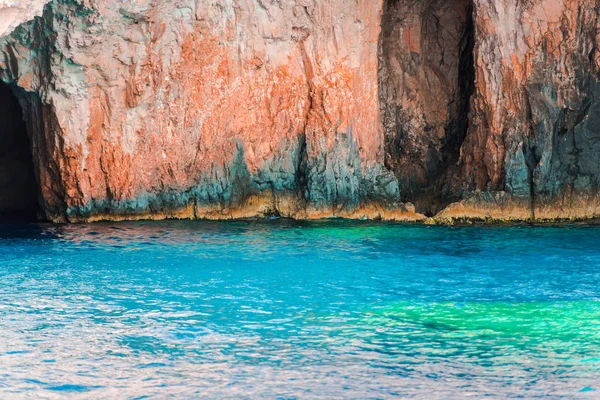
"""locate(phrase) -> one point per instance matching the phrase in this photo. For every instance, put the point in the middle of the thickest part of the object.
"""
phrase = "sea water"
(282, 309)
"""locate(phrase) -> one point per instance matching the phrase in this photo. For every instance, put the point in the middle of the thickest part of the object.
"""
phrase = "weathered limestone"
(15, 12)
(308, 108)
(535, 128)
(425, 83)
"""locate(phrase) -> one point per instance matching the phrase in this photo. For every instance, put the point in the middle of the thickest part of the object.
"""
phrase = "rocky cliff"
(308, 108)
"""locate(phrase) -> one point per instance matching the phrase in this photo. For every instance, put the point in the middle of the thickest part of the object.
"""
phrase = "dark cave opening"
(19, 192)
(426, 81)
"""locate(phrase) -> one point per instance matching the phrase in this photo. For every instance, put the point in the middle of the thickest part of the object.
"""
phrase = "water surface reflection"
(287, 309)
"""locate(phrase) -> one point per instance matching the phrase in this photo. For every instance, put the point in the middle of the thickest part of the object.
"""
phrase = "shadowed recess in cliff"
(18, 187)
(426, 79)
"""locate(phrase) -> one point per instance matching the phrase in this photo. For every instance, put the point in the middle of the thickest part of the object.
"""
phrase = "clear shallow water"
(285, 309)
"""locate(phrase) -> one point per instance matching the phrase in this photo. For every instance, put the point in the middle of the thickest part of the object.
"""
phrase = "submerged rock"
(308, 108)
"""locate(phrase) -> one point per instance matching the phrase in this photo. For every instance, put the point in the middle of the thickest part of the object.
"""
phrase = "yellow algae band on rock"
(468, 109)
(259, 207)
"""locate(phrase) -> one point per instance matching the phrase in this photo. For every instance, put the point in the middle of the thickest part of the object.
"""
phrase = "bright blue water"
(284, 309)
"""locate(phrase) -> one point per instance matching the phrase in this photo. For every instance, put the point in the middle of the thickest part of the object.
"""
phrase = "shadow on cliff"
(18, 185)
(422, 144)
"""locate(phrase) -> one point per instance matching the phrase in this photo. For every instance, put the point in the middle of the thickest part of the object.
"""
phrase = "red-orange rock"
(309, 108)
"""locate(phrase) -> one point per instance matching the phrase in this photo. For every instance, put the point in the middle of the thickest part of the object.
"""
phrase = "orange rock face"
(308, 108)
(534, 121)
(192, 109)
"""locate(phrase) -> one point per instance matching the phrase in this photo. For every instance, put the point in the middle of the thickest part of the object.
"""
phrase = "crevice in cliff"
(530, 154)
(456, 130)
(19, 190)
(302, 169)
(426, 65)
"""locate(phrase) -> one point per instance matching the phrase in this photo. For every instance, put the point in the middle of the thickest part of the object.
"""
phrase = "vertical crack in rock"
(456, 130)
(426, 79)
(530, 153)
(301, 174)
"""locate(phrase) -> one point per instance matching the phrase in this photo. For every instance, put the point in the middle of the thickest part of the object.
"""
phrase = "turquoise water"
(282, 309)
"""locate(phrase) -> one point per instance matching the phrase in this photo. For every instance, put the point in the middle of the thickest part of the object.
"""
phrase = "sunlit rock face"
(15, 12)
(205, 108)
(534, 129)
(308, 108)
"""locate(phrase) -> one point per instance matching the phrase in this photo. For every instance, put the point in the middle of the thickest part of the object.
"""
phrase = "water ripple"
(283, 309)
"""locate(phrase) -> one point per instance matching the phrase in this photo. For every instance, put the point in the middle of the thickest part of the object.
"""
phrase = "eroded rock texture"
(15, 12)
(205, 108)
(426, 80)
(310, 108)
(534, 136)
